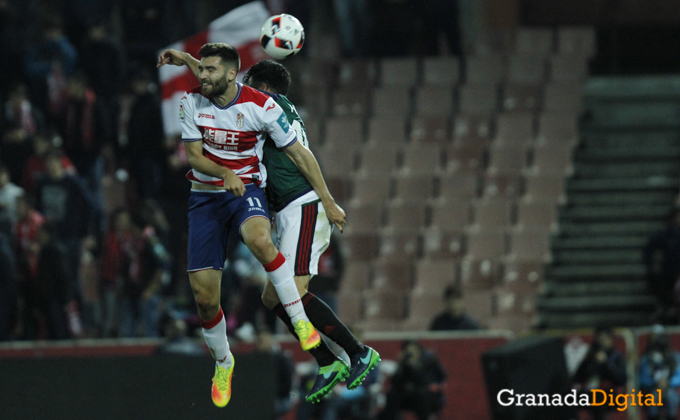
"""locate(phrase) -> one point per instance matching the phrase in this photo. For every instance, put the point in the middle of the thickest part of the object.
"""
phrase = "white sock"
(215, 335)
(281, 276)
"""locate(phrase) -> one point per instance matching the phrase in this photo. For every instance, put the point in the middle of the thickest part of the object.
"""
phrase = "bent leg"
(206, 287)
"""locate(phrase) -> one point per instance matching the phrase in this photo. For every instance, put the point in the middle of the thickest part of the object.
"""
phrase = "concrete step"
(597, 303)
(599, 242)
(669, 169)
(625, 256)
(608, 154)
(651, 183)
(595, 272)
(572, 229)
(593, 319)
(614, 213)
(620, 198)
(596, 288)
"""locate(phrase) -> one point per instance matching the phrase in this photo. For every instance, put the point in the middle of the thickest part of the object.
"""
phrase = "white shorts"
(303, 233)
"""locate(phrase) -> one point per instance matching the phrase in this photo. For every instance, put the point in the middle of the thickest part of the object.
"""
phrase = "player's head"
(268, 75)
(218, 68)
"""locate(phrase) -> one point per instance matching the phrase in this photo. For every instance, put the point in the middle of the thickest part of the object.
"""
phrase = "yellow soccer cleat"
(221, 384)
(307, 334)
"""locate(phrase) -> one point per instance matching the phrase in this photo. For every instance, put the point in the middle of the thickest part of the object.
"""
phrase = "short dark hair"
(452, 292)
(226, 52)
(274, 74)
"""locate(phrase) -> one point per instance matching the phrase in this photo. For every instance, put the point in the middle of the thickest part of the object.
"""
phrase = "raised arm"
(307, 164)
(178, 58)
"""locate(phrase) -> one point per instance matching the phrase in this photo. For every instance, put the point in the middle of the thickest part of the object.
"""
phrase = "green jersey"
(285, 182)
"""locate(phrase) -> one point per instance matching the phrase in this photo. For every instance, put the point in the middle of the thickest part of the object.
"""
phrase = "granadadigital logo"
(597, 397)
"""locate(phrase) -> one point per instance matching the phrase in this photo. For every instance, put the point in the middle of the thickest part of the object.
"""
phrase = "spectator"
(15, 24)
(441, 17)
(8, 287)
(85, 129)
(661, 256)
(331, 268)
(27, 249)
(56, 284)
(9, 194)
(145, 138)
(142, 289)
(266, 344)
(355, 26)
(454, 316)
(603, 367)
(20, 121)
(48, 63)
(660, 369)
(119, 252)
(416, 385)
(35, 166)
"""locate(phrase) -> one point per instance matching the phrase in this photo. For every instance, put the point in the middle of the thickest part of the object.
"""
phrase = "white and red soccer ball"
(282, 36)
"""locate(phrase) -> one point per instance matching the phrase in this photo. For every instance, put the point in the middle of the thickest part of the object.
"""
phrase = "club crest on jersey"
(283, 122)
(239, 120)
(181, 112)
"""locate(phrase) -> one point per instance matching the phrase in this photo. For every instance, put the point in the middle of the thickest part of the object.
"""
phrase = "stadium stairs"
(624, 185)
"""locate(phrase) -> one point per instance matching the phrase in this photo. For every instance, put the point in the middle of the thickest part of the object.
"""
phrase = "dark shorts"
(212, 215)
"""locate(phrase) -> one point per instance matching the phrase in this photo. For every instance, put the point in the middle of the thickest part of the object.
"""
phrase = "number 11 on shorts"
(251, 203)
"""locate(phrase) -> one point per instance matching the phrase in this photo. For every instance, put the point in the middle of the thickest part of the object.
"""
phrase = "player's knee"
(260, 244)
(206, 303)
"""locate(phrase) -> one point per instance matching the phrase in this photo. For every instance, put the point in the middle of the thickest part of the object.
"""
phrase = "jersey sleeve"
(190, 131)
(276, 124)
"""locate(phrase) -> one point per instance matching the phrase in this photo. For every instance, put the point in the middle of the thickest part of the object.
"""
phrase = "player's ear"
(232, 74)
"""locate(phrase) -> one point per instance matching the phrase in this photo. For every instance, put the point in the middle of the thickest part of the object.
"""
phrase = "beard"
(214, 89)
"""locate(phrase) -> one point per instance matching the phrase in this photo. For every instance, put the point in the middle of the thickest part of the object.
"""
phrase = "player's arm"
(178, 58)
(232, 183)
(309, 167)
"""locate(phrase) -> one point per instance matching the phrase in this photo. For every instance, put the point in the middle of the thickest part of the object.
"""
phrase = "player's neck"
(228, 95)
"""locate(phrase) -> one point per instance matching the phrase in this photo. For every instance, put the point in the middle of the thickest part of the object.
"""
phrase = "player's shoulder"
(193, 94)
(252, 95)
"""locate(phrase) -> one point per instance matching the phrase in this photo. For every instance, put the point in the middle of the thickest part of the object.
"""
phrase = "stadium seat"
(562, 97)
(405, 215)
(317, 73)
(441, 71)
(339, 187)
(344, 131)
(392, 101)
(529, 245)
(313, 128)
(514, 129)
(568, 68)
(557, 127)
(536, 214)
(359, 246)
(350, 307)
(397, 244)
(316, 101)
(509, 303)
(358, 73)
(434, 101)
(438, 243)
(350, 101)
(521, 277)
(522, 98)
(501, 185)
(526, 69)
(507, 158)
(493, 41)
(424, 305)
(479, 274)
(534, 41)
(468, 157)
(429, 130)
(478, 99)
(435, 274)
(474, 128)
(387, 130)
(380, 325)
(422, 159)
(370, 189)
(414, 187)
(479, 305)
(450, 215)
(363, 217)
(513, 323)
(576, 40)
(356, 276)
(492, 213)
(398, 71)
(484, 69)
(553, 157)
(458, 185)
(386, 304)
(337, 160)
(544, 187)
(484, 244)
(392, 275)
(378, 160)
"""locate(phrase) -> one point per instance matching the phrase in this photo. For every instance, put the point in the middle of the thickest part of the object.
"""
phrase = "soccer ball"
(282, 36)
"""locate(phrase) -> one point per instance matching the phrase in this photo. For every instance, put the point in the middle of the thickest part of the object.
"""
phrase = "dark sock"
(326, 321)
(323, 355)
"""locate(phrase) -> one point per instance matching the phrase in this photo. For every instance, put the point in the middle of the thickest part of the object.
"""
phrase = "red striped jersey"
(233, 136)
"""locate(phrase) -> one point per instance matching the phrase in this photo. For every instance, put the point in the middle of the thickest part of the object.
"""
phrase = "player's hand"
(170, 56)
(234, 184)
(335, 215)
